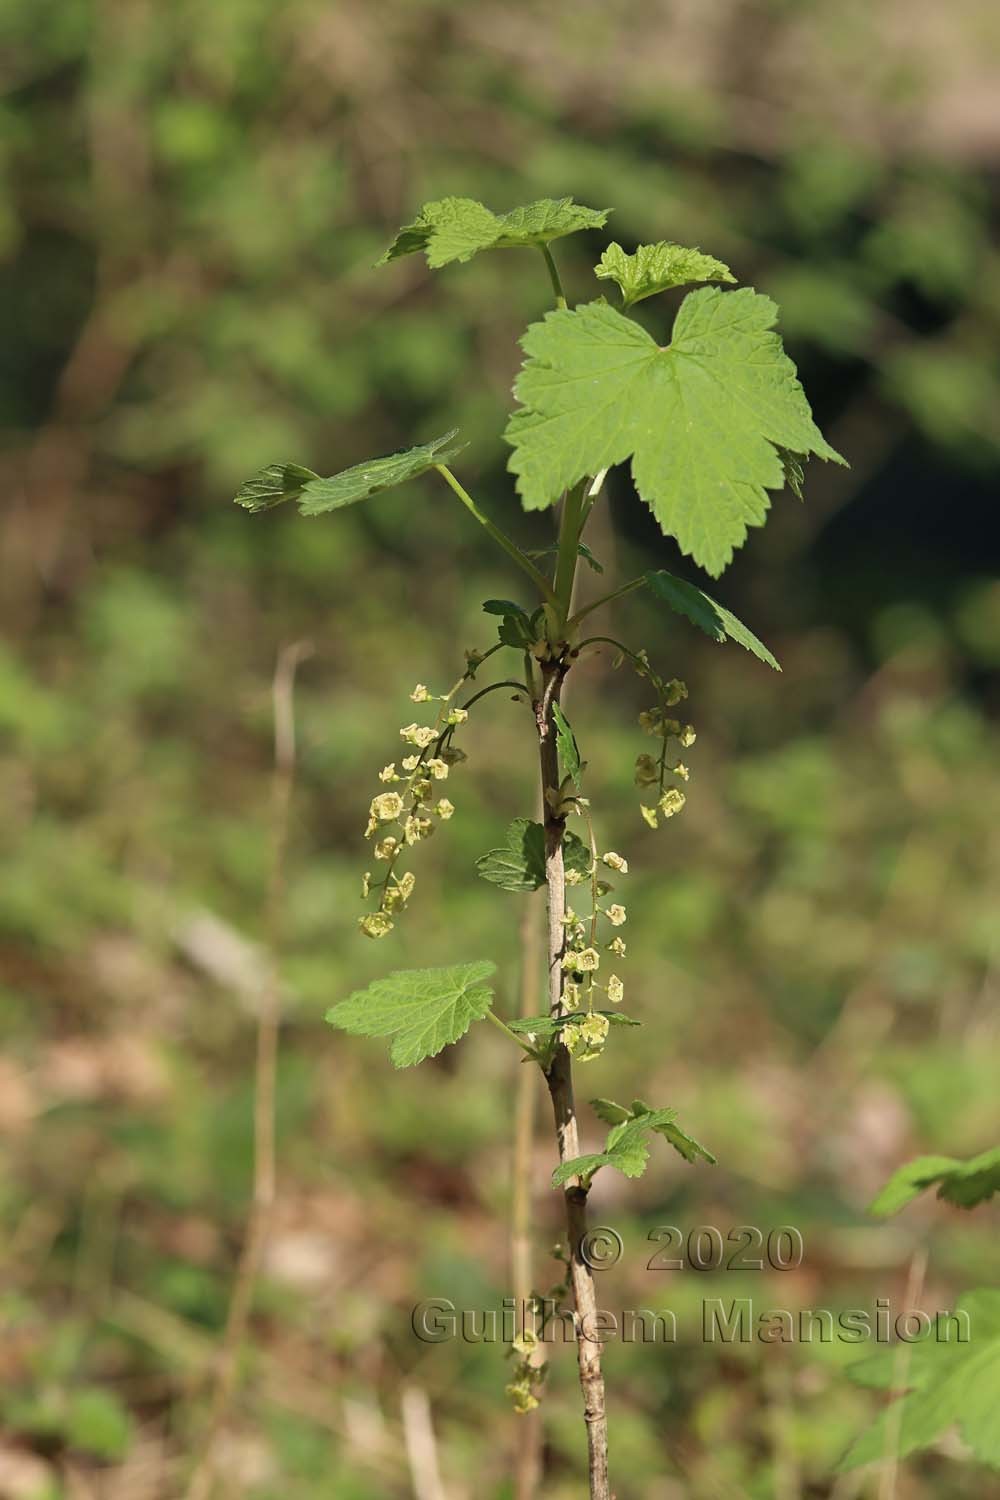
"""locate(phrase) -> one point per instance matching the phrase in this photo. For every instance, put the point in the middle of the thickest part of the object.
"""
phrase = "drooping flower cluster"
(526, 1377)
(586, 1032)
(650, 770)
(409, 812)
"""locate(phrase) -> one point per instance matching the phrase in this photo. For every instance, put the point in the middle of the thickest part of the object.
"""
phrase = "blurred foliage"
(190, 203)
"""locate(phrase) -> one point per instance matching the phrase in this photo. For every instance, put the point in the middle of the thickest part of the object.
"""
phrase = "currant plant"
(711, 420)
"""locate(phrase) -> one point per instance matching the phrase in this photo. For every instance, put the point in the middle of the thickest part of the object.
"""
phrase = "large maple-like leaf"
(703, 419)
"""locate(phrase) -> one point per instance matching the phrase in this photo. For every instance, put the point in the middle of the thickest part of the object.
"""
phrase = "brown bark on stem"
(559, 1077)
(528, 1453)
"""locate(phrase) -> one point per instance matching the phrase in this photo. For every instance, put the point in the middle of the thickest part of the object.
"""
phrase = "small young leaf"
(702, 610)
(516, 631)
(503, 607)
(964, 1183)
(569, 755)
(273, 485)
(626, 1146)
(702, 420)
(421, 1009)
(280, 482)
(520, 864)
(656, 268)
(322, 495)
(689, 1148)
(950, 1384)
(610, 1112)
(626, 1149)
(453, 229)
(583, 1166)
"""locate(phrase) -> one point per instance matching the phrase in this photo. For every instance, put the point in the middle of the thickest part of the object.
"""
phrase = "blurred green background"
(191, 198)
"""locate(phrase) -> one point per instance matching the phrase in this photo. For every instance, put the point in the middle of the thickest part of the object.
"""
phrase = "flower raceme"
(399, 819)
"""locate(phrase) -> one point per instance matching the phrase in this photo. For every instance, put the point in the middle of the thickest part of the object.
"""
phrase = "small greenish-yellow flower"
(420, 735)
(370, 826)
(416, 828)
(421, 789)
(386, 806)
(681, 770)
(615, 862)
(671, 802)
(687, 736)
(642, 662)
(616, 989)
(411, 762)
(647, 772)
(444, 808)
(571, 995)
(388, 773)
(595, 1027)
(457, 715)
(617, 946)
(419, 694)
(376, 924)
(616, 915)
(675, 692)
(405, 885)
(583, 962)
(585, 1036)
(649, 814)
(670, 726)
(386, 848)
(650, 720)
(522, 1396)
(366, 884)
(525, 1343)
(438, 768)
(576, 877)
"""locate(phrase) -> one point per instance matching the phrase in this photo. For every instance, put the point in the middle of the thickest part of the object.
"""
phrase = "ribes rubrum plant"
(711, 417)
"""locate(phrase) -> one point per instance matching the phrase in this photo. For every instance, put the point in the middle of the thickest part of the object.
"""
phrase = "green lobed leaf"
(702, 419)
(279, 482)
(626, 1148)
(656, 268)
(964, 1183)
(569, 754)
(451, 229)
(702, 610)
(949, 1384)
(422, 1010)
(519, 865)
